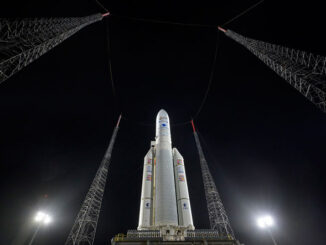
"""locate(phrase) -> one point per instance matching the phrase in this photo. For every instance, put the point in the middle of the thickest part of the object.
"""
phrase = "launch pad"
(199, 241)
(191, 237)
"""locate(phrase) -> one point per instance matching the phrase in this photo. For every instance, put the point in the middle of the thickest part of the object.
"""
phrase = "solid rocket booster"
(145, 213)
(164, 197)
(183, 201)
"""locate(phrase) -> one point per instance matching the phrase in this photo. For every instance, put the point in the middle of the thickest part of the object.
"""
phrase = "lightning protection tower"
(216, 212)
(24, 40)
(84, 228)
(304, 71)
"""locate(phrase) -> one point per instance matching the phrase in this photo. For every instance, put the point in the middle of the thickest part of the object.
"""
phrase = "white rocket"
(165, 202)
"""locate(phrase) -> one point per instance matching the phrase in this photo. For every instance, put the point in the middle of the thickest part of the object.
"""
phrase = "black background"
(263, 140)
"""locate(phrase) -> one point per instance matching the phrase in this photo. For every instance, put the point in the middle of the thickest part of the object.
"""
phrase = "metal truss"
(217, 215)
(306, 72)
(84, 228)
(23, 41)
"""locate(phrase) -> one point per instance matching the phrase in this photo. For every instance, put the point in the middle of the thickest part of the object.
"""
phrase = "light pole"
(266, 222)
(42, 219)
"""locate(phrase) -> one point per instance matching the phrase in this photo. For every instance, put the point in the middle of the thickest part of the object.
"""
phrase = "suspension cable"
(212, 72)
(161, 21)
(101, 6)
(114, 93)
(211, 76)
(242, 13)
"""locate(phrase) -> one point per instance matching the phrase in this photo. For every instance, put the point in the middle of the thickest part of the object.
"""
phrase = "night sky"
(263, 140)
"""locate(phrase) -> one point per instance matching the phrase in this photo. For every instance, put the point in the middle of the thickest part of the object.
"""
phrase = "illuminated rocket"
(165, 203)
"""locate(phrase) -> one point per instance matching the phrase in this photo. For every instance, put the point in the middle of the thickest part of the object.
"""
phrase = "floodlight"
(39, 216)
(43, 217)
(47, 219)
(265, 221)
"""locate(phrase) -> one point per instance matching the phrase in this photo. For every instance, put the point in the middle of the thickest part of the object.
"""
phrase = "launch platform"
(194, 237)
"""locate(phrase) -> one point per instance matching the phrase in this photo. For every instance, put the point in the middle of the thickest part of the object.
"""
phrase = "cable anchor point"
(221, 29)
(106, 14)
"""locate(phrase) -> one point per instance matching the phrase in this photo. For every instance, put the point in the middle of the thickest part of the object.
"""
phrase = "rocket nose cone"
(162, 114)
(162, 123)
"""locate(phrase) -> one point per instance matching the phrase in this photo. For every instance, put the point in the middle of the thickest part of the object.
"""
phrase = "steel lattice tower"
(217, 215)
(306, 72)
(23, 41)
(84, 228)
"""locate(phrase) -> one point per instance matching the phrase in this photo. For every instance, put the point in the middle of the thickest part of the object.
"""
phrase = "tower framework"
(216, 212)
(23, 41)
(304, 71)
(84, 228)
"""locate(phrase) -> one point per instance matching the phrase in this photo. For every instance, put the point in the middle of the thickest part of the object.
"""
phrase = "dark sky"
(263, 140)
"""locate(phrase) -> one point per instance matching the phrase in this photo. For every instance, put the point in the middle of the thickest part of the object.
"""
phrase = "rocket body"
(165, 199)
(165, 196)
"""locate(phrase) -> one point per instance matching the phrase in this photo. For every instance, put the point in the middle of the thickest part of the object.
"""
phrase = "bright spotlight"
(43, 217)
(269, 221)
(261, 223)
(47, 219)
(265, 221)
(39, 216)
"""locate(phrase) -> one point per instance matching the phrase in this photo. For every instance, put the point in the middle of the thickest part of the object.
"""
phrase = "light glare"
(261, 223)
(39, 216)
(47, 219)
(265, 221)
(269, 220)
(42, 217)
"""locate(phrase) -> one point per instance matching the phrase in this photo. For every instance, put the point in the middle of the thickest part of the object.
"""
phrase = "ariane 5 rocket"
(165, 202)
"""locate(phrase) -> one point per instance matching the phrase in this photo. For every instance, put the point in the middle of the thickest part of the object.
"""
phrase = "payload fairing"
(165, 203)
